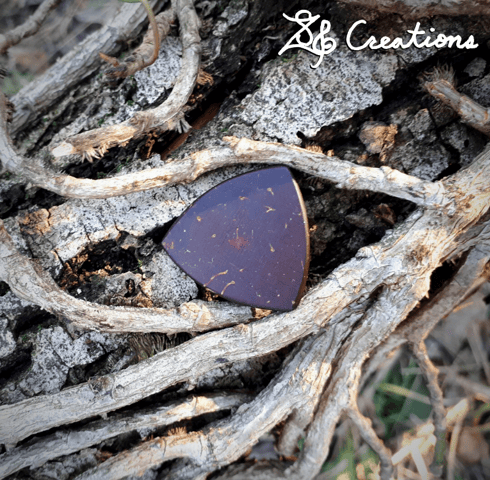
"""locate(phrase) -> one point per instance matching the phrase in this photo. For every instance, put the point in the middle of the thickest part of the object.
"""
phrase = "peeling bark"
(168, 116)
(36, 286)
(41, 450)
(350, 320)
(395, 261)
(78, 64)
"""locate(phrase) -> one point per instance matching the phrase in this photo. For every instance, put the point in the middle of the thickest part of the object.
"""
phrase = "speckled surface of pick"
(246, 240)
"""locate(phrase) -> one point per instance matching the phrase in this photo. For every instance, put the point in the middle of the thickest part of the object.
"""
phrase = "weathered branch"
(367, 432)
(471, 275)
(43, 92)
(168, 116)
(341, 394)
(40, 450)
(338, 324)
(345, 385)
(344, 174)
(405, 258)
(144, 55)
(29, 27)
(297, 423)
(376, 325)
(300, 381)
(431, 373)
(150, 454)
(470, 111)
(31, 283)
(294, 430)
(269, 470)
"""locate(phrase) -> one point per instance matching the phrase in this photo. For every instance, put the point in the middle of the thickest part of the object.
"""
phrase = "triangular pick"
(246, 240)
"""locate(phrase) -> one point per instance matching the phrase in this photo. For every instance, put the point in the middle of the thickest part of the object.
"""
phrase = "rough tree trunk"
(102, 337)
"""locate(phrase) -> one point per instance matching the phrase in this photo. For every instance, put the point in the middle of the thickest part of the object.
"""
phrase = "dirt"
(395, 132)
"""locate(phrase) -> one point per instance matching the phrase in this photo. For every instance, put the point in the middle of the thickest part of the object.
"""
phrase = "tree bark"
(386, 212)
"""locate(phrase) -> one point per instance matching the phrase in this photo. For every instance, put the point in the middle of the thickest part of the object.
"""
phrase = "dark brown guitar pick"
(246, 240)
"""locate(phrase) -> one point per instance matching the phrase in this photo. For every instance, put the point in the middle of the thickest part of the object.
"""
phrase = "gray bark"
(374, 259)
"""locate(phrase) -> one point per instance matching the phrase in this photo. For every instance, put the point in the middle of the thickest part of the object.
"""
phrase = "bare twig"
(430, 373)
(147, 52)
(480, 391)
(471, 112)
(43, 92)
(46, 448)
(168, 116)
(453, 447)
(300, 381)
(29, 27)
(395, 261)
(367, 432)
(344, 174)
(37, 286)
(478, 350)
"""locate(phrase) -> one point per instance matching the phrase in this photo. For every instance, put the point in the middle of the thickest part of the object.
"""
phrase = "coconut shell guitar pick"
(246, 240)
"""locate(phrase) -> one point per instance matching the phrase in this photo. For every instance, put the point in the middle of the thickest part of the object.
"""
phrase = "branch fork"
(351, 315)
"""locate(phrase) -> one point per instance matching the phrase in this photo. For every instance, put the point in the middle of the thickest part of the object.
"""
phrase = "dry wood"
(341, 393)
(396, 261)
(263, 470)
(452, 450)
(415, 329)
(472, 274)
(31, 283)
(168, 116)
(294, 430)
(29, 27)
(343, 386)
(46, 448)
(297, 423)
(357, 309)
(342, 173)
(43, 92)
(367, 431)
(377, 324)
(471, 112)
(431, 373)
(300, 381)
(144, 55)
